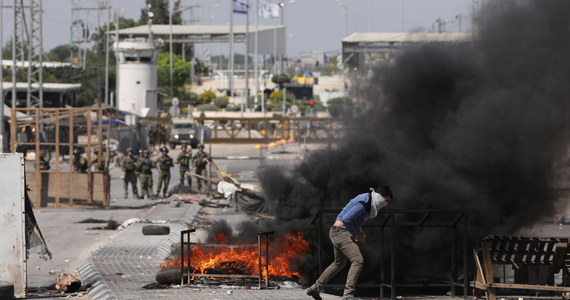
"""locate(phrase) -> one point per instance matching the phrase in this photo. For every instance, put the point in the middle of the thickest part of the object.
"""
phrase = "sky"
(311, 25)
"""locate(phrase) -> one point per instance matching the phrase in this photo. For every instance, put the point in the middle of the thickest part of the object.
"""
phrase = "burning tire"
(155, 230)
(6, 290)
(171, 275)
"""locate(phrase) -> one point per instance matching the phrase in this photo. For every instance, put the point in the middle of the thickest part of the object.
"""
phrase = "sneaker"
(313, 293)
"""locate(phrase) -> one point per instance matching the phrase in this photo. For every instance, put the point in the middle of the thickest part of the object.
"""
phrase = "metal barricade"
(186, 267)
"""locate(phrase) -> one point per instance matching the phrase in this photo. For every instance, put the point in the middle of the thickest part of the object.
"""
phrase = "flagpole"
(247, 56)
(231, 58)
(256, 72)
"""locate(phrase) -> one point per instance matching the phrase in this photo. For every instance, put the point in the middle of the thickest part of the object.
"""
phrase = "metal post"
(247, 58)
(259, 256)
(284, 100)
(266, 261)
(453, 263)
(255, 65)
(320, 242)
(182, 258)
(465, 281)
(231, 58)
(170, 50)
(99, 79)
(107, 54)
(393, 258)
(282, 56)
(38, 196)
(382, 239)
(14, 56)
(2, 80)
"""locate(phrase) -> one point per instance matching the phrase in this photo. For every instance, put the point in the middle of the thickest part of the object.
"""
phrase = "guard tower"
(136, 76)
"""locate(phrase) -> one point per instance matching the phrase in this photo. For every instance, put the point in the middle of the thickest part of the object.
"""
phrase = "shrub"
(337, 106)
(207, 96)
(221, 102)
(207, 107)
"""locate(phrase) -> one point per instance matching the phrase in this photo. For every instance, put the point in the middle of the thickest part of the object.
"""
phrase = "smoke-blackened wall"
(474, 126)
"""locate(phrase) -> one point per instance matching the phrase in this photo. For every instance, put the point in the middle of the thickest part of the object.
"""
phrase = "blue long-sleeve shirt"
(354, 214)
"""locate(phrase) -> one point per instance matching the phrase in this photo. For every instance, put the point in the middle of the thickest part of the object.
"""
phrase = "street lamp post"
(170, 51)
(170, 43)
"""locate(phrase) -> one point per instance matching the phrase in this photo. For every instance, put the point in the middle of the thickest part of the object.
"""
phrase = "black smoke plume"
(474, 126)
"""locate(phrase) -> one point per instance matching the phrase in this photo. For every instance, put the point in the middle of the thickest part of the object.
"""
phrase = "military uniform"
(185, 160)
(129, 168)
(101, 165)
(138, 166)
(80, 163)
(44, 164)
(200, 161)
(152, 136)
(145, 177)
(164, 163)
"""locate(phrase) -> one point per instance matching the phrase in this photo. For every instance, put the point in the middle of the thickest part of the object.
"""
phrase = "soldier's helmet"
(164, 150)
(77, 151)
(184, 145)
(129, 150)
(141, 152)
(146, 152)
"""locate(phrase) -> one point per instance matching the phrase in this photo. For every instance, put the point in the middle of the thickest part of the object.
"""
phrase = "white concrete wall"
(12, 222)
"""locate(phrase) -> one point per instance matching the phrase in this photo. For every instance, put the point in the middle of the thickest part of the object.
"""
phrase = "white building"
(136, 76)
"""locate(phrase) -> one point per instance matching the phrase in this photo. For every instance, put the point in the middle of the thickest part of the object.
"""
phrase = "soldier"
(79, 162)
(44, 163)
(152, 136)
(164, 163)
(129, 176)
(146, 166)
(101, 166)
(138, 166)
(162, 135)
(184, 160)
(200, 161)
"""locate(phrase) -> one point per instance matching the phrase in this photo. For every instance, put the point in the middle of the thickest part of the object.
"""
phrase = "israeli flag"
(240, 7)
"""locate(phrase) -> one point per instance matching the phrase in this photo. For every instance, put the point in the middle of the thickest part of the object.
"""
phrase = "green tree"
(337, 106)
(280, 80)
(59, 53)
(160, 11)
(180, 70)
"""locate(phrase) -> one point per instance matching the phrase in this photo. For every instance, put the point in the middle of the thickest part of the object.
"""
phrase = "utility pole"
(35, 94)
(80, 29)
(80, 32)
(27, 43)
(18, 47)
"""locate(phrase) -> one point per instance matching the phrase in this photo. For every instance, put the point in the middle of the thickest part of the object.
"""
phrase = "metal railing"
(394, 219)
(263, 130)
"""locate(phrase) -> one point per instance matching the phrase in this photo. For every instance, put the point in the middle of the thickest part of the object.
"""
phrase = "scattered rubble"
(67, 283)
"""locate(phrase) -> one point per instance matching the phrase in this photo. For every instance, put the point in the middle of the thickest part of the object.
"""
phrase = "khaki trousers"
(344, 249)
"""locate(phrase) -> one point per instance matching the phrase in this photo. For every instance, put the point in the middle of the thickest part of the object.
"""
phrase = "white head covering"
(377, 203)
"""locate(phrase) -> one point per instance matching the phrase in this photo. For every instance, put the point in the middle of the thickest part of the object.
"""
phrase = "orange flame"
(284, 254)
